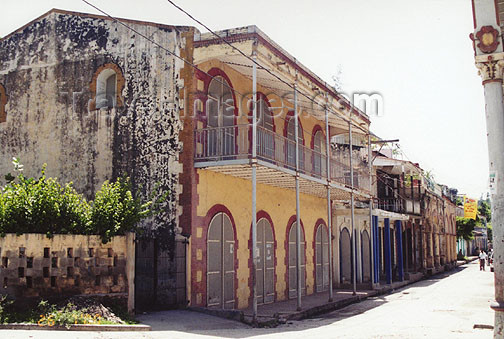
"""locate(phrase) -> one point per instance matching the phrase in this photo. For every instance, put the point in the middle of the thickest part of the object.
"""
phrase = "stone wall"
(33, 265)
(49, 71)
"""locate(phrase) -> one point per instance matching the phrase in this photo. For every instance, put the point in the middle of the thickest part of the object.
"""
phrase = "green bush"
(116, 210)
(29, 205)
(43, 205)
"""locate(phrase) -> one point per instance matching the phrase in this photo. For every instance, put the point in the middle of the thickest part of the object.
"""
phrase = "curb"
(329, 307)
(77, 327)
(278, 318)
(226, 314)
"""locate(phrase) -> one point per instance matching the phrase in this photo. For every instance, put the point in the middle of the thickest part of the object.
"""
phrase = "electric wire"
(259, 65)
(216, 78)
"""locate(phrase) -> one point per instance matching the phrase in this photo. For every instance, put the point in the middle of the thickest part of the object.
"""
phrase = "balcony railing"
(391, 205)
(221, 145)
(398, 205)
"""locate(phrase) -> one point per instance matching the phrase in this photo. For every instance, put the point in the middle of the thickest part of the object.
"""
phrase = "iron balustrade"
(216, 145)
(391, 205)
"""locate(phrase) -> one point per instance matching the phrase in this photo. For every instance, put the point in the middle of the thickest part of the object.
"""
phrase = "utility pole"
(487, 43)
(254, 189)
(352, 208)
(299, 274)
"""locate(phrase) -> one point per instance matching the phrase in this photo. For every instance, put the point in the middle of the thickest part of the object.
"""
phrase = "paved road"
(446, 306)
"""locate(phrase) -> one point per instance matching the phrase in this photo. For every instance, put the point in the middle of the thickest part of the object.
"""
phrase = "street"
(445, 306)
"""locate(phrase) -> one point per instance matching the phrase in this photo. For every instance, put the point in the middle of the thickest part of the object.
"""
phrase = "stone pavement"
(449, 305)
(271, 315)
(274, 314)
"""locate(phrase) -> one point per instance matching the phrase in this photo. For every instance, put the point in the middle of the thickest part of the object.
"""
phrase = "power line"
(258, 64)
(216, 78)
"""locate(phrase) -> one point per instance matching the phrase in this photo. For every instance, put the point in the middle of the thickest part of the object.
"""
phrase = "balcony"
(229, 150)
(398, 205)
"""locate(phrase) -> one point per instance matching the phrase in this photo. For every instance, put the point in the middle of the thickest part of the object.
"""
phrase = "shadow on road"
(426, 282)
(203, 324)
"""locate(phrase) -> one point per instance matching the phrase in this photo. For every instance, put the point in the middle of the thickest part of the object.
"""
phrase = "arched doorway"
(322, 258)
(291, 143)
(220, 118)
(318, 154)
(292, 262)
(220, 262)
(265, 272)
(345, 257)
(366, 256)
(265, 130)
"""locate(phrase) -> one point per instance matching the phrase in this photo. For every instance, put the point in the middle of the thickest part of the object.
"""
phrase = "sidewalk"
(271, 315)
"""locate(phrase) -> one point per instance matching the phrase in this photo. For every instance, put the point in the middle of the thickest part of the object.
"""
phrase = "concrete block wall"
(33, 265)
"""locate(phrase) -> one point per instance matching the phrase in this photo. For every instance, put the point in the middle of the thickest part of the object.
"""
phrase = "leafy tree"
(485, 210)
(465, 228)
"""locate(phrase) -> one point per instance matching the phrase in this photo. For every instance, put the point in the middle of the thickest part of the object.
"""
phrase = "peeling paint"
(47, 68)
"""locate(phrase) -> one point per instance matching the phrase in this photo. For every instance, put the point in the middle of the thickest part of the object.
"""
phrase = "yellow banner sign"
(470, 208)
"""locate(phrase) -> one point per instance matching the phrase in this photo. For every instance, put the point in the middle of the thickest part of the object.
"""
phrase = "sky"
(416, 54)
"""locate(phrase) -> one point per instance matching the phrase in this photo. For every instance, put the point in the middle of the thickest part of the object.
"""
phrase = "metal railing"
(222, 144)
(391, 205)
(398, 205)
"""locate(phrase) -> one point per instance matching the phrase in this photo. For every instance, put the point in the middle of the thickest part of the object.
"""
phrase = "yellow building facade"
(219, 129)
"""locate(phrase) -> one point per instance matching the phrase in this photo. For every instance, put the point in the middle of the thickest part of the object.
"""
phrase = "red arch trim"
(291, 221)
(262, 215)
(212, 212)
(289, 116)
(316, 129)
(214, 72)
(319, 222)
(262, 96)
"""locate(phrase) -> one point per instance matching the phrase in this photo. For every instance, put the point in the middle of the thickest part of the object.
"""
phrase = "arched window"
(220, 118)
(3, 102)
(106, 89)
(107, 86)
(291, 143)
(265, 131)
(319, 153)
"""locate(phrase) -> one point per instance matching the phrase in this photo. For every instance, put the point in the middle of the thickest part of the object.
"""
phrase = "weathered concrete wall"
(49, 70)
(35, 266)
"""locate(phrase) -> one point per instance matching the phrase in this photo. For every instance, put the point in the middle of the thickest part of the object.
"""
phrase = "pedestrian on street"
(482, 258)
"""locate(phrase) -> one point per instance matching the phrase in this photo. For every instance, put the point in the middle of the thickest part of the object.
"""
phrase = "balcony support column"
(254, 190)
(371, 225)
(298, 219)
(352, 207)
(329, 205)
